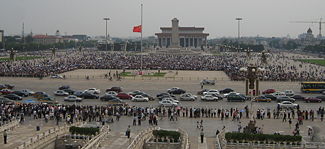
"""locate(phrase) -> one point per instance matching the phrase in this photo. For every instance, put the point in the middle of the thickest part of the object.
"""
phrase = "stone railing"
(46, 137)
(220, 140)
(95, 141)
(185, 140)
(9, 125)
(139, 140)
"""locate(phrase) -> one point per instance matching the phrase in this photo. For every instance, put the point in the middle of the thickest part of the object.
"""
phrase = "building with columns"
(175, 36)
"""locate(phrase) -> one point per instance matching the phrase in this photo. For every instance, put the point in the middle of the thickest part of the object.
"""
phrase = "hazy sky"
(261, 17)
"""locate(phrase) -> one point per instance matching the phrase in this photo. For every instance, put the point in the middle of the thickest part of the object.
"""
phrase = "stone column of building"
(175, 34)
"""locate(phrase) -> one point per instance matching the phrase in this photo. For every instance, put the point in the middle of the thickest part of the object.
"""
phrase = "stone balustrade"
(9, 126)
(185, 140)
(140, 139)
(46, 137)
(95, 141)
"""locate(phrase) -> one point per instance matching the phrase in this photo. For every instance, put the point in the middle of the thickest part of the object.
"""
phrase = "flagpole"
(141, 39)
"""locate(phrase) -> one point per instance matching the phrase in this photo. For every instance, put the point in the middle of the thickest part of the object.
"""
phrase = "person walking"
(202, 135)
(128, 132)
(5, 135)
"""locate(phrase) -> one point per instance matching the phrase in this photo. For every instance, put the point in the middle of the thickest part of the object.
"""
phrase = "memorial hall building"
(176, 36)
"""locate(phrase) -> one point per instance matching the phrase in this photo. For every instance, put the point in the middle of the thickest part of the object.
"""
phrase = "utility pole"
(141, 36)
(106, 42)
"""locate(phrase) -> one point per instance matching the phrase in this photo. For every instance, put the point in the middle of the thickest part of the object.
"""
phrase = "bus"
(313, 87)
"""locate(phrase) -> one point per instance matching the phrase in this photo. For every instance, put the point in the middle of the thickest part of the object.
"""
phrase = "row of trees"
(290, 45)
(315, 48)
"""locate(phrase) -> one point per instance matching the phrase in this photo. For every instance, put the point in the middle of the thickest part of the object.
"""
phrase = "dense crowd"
(279, 68)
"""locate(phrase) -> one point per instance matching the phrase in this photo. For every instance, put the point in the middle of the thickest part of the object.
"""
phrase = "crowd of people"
(279, 67)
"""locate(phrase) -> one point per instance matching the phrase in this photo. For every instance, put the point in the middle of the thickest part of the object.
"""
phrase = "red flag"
(137, 29)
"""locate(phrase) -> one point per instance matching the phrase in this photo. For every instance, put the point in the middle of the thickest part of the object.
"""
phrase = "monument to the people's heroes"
(175, 34)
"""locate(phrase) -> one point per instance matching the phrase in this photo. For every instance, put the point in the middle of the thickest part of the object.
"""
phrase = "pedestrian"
(202, 135)
(290, 122)
(128, 131)
(217, 132)
(5, 135)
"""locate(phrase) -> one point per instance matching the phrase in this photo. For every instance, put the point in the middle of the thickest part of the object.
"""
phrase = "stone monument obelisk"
(175, 34)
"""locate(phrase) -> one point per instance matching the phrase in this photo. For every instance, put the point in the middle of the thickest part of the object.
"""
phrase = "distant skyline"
(264, 18)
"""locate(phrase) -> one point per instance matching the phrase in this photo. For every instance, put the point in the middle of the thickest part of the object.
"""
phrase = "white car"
(289, 93)
(279, 94)
(56, 76)
(27, 91)
(287, 104)
(171, 99)
(167, 103)
(211, 91)
(140, 98)
(209, 98)
(61, 93)
(188, 97)
(93, 91)
(72, 98)
(112, 93)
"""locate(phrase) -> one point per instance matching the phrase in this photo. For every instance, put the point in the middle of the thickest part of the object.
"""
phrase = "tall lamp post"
(106, 19)
(238, 20)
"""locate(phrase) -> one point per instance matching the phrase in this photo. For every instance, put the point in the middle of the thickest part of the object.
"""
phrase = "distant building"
(80, 37)
(47, 39)
(308, 38)
(176, 36)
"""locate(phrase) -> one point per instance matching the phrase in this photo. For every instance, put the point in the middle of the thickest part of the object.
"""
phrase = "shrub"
(165, 133)
(261, 137)
(83, 130)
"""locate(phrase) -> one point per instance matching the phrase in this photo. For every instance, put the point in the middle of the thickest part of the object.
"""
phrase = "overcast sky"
(260, 17)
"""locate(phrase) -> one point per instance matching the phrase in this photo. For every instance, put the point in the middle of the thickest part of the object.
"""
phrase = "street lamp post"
(106, 19)
(238, 20)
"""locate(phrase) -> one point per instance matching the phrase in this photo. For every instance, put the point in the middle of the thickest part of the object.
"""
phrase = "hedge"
(83, 130)
(235, 136)
(165, 133)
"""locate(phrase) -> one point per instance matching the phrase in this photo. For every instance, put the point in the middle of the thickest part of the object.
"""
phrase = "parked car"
(115, 89)
(116, 102)
(209, 98)
(111, 93)
(93, 91)
(313, 99)
(211, 91)
(231, 93)
(235, 97)
(48, 100)
(285, 98)
(56, 76)
(208, 82)
(187, 97)
(70, 91)
(321, 97)
(226, 91)
(298, 97)
(176, 90)
(167, 103)
(9, 86)
(202, 91)
(134, 93)
(2, 86)
(6, 91)
(6, 101)
(171, 99)
(20, 93)
(108, 98)
(287, 104)
(167, 96)
(39, 94)
(270, 96)
(268, 91)
(72, 98)
(278, 94)
(60, 93)
(63, 87)
(87, 95)
(27, 91)
(289, 92)
(140, 98)
(78, 93)
(122, 95)
(13, 97)
(262, 99)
